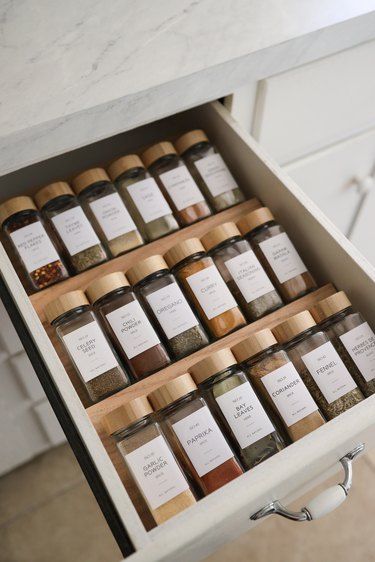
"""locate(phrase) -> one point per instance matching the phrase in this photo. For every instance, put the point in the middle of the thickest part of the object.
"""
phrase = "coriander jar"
(205, 287)
(177, 183)
(320, 366)
(194, 434)
(209, 170)
(149, 458)
(242, 271)
(127, 325)
(236, 407)
(82, 247)
(274, 376)
(143, 197)
(107, 211)
(167, 306)
(30, 243)
(88, 348)
(277, 254)
(352, 337)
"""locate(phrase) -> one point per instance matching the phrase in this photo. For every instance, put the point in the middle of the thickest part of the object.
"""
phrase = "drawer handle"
(323, 503)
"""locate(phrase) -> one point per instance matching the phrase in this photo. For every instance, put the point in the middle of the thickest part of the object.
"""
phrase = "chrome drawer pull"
(323, 503)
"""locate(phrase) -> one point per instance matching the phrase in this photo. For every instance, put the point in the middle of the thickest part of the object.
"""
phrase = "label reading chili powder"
(149, 200)
(181, 187)
(215, 174)
(34, 246)
(113, 216)
(360, 344)
(211, 291)
(249, 276)
(282, 257)
(75, 230)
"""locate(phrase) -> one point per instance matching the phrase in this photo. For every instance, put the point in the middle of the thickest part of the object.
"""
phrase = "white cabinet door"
(363, 232)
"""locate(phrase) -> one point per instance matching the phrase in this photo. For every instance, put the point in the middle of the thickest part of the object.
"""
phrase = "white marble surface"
(73, 72)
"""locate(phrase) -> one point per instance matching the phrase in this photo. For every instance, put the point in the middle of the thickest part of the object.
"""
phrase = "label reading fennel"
(282, 257)
(181, 187)
(113, 216)
(75, 230)
(216, 175)
(34, 246)
(249, 276)
(360, 344)
(211, 291)
(149, 200)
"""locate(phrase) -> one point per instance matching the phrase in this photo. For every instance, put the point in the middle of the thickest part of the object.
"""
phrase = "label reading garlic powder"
(211, 291)
(282, 257)
(113, 216)
(181, 187)
(360, 344)
(215, 174)
(34, 246)
(75, 230)
(249, 276)
(149, 200)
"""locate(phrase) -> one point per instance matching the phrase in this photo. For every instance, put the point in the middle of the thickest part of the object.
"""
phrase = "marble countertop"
(73, 72)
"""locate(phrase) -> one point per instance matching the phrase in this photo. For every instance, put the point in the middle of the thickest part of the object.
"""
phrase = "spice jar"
(352, 337)
(149, 458)
(209, 170)
(127, 325)
(87, 346)
(237, 408)
(34, 249)
(319, 364)
(277, 254)
(176, 182)
(276, 379)
(107, 211)
(205, 287)
(82, 247)
(194, 434)
(143, 197)
(167, 306)
(242, 271)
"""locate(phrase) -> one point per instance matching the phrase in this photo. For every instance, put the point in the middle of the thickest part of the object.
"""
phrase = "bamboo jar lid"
(16, 205)
(51, 191)
(254, 219)
(329, 306)
(123, 164)
(172, 391)
(184, 142)
(88, 177)
(64, 304)
(128, 413)
(145, 268)
(183, 250)
(157, 151)
(293, 326)
(254, 344)
(213, 364)
(104, 285)
(220, 234)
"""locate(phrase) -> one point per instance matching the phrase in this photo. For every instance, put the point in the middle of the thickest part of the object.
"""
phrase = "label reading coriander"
(282, 257)
(211, 292)
(149, 200)
(75, 230)
(34, 246)
(360, 344)
(215, 174)
(181, 187)
(249, 276)
(113, 216)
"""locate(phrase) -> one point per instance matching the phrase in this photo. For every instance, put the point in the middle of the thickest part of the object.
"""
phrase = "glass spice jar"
(142, 195)
(194, 434)
(107, 211)
(242, 271)
(352, 337)
(176, 182)
(88, 348)
(149, 458)
(34, 250)
(166, 304)
(127, 325)
(205, 287)
(236, 407)
(209, 170)
(277, 254)
(319, 364)
(81, 245)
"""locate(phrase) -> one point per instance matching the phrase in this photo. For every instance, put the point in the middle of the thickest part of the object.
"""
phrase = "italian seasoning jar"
(34, 250)
(146, 203)
(176, 182)
(194, 434)
(277, 254)
(352, 337)
(209, 170)
(88, 348)
(236, 407)
(242, 271)
(149, 458)
(205, 287)
(319, 364)
(166, 304)
(107, 211)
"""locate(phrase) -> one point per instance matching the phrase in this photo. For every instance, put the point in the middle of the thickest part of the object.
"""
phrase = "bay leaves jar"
(205, 287)
(127, 325)
(320, 366)
(242, 271)
(236, 407)
(149, 458)
(209, 170)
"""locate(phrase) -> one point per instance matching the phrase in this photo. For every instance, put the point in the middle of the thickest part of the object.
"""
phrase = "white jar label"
(289, 394)
(113, 216)
(202, 441)
(156, 472)
(329, 372)
(34, 246)
(149, 200)
(211, 291)
(132, 329)
(181, 187)
(282, 257)
(215, 174)
(245, 415)
(249, 276)
(75, 230)
(360, 344)
(90, 351)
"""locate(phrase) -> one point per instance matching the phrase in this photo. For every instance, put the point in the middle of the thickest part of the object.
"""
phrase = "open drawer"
(225, 514)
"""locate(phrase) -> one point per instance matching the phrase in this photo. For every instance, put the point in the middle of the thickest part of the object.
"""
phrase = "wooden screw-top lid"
(104, 285)
(51, 191)
(213, 364)
(329, 306)
(88, 177)
(157, 151)
(219, 234)
(184, 142)
(64, 303)
(293, 326)
(254, 344)
(124, 164)
(127, 414)
(172, 391)
(16, 205)
(145, 268)
(254, 219)
(183, 250)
